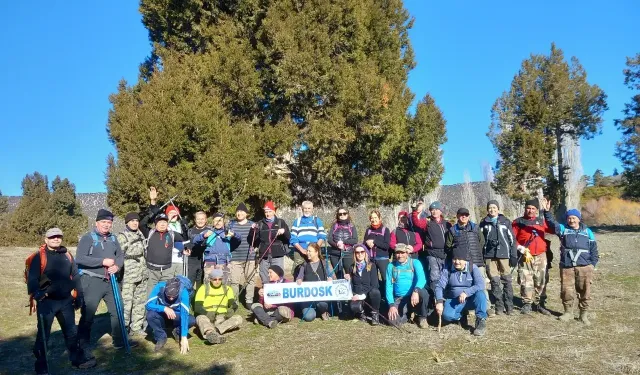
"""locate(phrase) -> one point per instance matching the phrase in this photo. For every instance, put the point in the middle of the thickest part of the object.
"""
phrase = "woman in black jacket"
(364, 285)
(314, 269)
(342, 236)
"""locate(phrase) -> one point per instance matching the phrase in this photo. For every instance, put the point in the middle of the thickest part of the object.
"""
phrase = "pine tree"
(615, 172)
(4, 204)
(598, 177)
(550, 104)
(628, 150)
(302, 100)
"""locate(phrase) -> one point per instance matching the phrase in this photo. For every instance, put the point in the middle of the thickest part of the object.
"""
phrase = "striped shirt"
(240, 251)
(307, 230)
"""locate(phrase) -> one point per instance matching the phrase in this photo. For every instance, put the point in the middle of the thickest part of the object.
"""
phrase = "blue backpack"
(186, 284)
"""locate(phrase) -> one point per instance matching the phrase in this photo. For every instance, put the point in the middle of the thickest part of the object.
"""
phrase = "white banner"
(281, 293)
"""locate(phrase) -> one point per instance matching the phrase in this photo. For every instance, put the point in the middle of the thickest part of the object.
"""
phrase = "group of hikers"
(174, 277)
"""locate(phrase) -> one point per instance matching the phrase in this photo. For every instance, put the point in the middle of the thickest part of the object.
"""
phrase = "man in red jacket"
(529, 231)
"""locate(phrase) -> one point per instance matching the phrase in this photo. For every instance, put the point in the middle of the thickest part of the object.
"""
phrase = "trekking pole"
(253, 273)
(534, 234)
(385, 318)
(167, 202)
(44, 342)
(120, 312)
(326, 262)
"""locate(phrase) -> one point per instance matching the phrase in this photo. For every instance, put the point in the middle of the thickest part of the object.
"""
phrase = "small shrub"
(611, 211)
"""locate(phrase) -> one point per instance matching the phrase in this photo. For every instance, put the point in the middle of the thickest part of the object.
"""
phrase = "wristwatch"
(416, 290)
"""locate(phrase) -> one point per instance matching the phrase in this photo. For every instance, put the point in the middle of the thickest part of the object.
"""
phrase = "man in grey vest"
(98, 256)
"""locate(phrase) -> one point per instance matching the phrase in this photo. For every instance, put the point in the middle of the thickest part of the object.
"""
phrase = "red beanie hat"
(171, 208)
(403, 213)
(269, 206)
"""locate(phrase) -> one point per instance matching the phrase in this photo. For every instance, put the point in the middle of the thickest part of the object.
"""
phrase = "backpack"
(349, 227)
(315, 222)
(97, 241)
(186, 284)
(395, 272)
(42, 251)
(377, 234)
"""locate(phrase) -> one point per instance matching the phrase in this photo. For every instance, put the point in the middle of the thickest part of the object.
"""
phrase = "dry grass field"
(513, 345)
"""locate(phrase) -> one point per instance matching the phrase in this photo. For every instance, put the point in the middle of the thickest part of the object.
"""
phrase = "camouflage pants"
(576, 280)
(134, 296)
(533, 279)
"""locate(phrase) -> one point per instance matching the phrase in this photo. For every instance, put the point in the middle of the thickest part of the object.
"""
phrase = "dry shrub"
(611, 211)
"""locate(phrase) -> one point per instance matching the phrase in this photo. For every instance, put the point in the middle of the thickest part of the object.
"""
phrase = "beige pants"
(221, 324)
(239, 272)
(497, 267)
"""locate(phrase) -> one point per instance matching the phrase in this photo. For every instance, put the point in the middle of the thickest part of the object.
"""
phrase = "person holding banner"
(406, 288)
(364, 285)
(315, 269)
(271, 315)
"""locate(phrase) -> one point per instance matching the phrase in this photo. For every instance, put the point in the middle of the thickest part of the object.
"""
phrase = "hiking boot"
(422, 323)
(490, 312)
(464, 321)
(542, 310)
(481, 327)
(499, 311)
(159, 345)
(583, 318)
(568, 314)
(120, 345)
(509, 310)
(325, 316)
(375, 319)
(272, 324)
(139, 333)
(213, 338)
(526, 309)
(81, 361)
(176, 334)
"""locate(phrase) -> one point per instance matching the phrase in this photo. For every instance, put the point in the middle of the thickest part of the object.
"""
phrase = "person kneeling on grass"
(215, 306)
(461, 287)
(169, 300)
(364, 284)
(406, 284)
(271, 315)
(314, 270)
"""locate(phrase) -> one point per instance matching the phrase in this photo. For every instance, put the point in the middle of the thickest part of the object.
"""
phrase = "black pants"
(96, 289)
(195, 273)
(345, 264)
(373, 299)
(62, 310)
(405, 308)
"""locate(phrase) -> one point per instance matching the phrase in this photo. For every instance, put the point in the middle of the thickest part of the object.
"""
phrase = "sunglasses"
(216, 279)
(343, 213)
(359, 252)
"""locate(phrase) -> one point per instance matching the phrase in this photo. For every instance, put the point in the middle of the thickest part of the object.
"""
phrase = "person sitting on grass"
(406, 285)
(271, 315)
(364, 284)
(315, 269)
(214, 307)
(461, 287)
(169, 302)
(578, 258)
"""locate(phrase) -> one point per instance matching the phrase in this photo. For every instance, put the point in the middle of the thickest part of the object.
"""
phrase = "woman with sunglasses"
(364, 285)
(377, 239)
(342, 236)
(314, 269)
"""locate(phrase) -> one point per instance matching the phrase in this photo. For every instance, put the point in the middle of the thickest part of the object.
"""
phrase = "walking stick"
(253, 273)
(385, 318)
(120, 312)
(44, 342)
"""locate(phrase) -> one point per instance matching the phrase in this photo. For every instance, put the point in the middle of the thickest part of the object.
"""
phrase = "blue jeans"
(453, 308)
(158, 321)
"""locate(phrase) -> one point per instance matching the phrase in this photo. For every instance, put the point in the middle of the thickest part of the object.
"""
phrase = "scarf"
(270, 220)
(376, 226)
(360, 266)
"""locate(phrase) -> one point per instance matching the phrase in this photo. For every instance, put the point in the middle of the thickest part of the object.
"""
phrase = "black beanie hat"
(172, 288)
(242, 207)
(104, 215)
(493, 201)
(277, 270)
(131, 216)
(461, 253)
(533, 202)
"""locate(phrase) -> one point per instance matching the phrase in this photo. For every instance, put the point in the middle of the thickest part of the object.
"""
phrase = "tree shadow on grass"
(16, 357)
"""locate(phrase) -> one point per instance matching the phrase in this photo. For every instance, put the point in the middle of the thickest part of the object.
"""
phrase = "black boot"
(481, 327)
(526, 309)
(507, 294)
(375, 319)
(496, 293)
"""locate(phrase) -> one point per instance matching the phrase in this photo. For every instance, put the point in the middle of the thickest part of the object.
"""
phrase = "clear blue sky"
(60, 60)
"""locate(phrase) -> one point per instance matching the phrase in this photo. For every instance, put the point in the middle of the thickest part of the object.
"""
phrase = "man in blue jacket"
(170, 300)
(461, 287)
(406, 284)
(578, 258)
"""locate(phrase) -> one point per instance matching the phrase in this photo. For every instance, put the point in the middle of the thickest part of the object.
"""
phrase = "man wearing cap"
(134, 283)
(500, 256)
(160, 247)
(405, 286)
(578, 258)
(243, 256)
(305, 230)
(215, 307)
(460, 289)
(404, 234)
(217, 253)
(434, 229)
(52, 289)
(466, 234)
(272, 315)
(99, 255)
(169, 303)
(529, 231)
(271, 236)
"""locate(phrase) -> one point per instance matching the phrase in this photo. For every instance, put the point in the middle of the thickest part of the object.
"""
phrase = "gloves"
(78, 302)
(234, 306)
(513, 262)
(521, 249)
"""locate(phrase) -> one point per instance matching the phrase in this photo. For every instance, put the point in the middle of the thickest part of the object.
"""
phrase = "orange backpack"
(43, 264)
